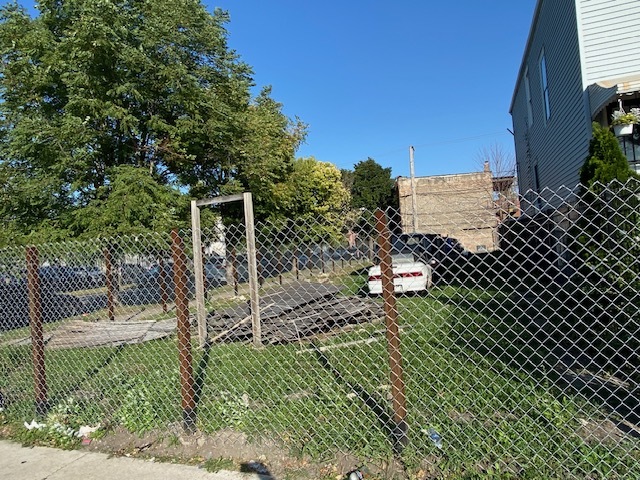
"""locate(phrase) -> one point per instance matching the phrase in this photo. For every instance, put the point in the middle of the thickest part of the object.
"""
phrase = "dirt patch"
(264, 457)
(600, 432)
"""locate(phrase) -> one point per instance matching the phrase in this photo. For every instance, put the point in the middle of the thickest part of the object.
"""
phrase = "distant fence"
(522, 362)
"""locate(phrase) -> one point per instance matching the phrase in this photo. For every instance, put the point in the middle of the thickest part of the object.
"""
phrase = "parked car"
(409, 275)
(424, 247)
(215, 272)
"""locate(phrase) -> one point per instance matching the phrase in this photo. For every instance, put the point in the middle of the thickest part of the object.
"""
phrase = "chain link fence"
(355, 340)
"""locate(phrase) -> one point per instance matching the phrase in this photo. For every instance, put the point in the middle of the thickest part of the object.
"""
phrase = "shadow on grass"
(396, 433)
(555, 334)
(88, 374)
(201, 374)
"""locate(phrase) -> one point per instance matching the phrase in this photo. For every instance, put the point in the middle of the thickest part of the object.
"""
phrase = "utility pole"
(414, 202)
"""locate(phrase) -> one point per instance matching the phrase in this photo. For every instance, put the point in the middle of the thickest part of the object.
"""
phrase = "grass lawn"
(496, 420)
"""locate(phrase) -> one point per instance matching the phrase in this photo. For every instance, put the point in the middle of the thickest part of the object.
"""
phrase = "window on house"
(544, 84)
(527, 91)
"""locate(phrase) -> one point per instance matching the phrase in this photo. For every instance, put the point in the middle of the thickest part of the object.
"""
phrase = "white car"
(409, 275)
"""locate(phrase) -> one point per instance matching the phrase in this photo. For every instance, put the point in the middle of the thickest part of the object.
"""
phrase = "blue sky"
(372, 78)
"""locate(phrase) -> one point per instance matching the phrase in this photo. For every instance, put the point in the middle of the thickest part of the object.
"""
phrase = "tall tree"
(89, 86)
(264, 160)
(317, 200)
(372, 186)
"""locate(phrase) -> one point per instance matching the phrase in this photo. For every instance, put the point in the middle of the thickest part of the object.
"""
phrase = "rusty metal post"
(400, 427)
(111, 293)
(164, 296)
(322, 263)
(37, 337)
(295, 264)
(180, 279)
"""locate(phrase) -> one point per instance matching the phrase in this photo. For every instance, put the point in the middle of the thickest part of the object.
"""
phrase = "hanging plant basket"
(623, 129)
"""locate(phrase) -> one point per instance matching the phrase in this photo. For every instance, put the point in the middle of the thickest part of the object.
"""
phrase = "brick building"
(462, 206)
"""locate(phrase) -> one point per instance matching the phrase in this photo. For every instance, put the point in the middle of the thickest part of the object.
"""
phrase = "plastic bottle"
(355, 475)
(435, 438)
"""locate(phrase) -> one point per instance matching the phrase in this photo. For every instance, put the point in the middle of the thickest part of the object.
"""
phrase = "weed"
(213, 465)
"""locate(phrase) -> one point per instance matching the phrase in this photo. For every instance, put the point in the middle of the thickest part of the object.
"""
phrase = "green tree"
(605, 162)
(372, 186)
(88, 86)
(265, 159)
(607, 245)
(133, 202)
(347, 179)
(317, 200)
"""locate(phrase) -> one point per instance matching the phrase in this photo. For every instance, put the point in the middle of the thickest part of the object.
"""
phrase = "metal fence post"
(400, 427)
(37, 337)
(180, 280)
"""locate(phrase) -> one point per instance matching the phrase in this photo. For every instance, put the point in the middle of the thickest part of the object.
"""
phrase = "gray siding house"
(581, 61)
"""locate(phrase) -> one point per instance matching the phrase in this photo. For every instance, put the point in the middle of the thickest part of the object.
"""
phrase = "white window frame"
(544, 86)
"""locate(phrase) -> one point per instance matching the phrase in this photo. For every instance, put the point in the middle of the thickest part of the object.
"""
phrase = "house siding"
(610, 38)
(559, 145)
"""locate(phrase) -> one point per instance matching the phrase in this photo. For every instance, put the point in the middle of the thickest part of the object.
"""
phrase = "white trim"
(583, 61)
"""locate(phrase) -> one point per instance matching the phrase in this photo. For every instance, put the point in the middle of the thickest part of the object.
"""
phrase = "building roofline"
(444, 175)
(534, 21)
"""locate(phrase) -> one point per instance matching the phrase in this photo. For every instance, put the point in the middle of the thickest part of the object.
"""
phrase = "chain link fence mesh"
(516, 357)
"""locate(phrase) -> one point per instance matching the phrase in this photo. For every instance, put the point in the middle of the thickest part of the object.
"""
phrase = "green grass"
(464, 377)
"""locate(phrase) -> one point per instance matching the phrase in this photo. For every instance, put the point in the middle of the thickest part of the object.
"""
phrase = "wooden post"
(295, 264)
(322, 266)
(180, 279)
(164, 297)
(110, 281)
(198, 271)
(253, 270)
(37, 337)
(392, 333)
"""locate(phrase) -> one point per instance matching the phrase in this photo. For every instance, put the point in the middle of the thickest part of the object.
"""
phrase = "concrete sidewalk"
(42, 463)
